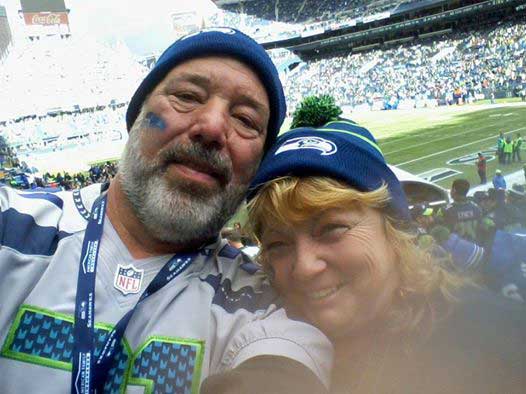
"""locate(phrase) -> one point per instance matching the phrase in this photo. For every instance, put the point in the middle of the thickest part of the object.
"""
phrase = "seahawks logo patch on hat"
(326, 147)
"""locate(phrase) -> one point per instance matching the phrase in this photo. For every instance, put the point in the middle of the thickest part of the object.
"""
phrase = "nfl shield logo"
(128, 279)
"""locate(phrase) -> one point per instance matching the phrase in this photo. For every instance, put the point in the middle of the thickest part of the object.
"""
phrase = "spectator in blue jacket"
(498, 181)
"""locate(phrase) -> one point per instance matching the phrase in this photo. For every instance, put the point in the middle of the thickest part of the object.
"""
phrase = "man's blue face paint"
(154, 121)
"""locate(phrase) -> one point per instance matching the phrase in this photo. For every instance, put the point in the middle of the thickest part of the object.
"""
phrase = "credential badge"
(128, 279)
(326, 147)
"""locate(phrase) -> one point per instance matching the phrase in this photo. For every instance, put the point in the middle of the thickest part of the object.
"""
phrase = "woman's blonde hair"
(289, 200)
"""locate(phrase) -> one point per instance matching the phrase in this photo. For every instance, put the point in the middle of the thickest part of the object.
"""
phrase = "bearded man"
(129, 288)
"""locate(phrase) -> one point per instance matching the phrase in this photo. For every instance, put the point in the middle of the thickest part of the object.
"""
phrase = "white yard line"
(455, 148)
(438, 139)
(482, 108)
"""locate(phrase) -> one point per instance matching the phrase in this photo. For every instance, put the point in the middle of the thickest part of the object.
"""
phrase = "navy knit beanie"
(217, 41)
(341, 149)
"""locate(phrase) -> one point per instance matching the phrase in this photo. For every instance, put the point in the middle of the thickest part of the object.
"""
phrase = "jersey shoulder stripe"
(20, 232)
(52, 198)
(33, 223)
(45, 212)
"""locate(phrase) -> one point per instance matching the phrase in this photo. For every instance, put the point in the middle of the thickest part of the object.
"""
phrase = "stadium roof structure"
(422, 19)
(43, 6)
(299, 11)
(219, 3)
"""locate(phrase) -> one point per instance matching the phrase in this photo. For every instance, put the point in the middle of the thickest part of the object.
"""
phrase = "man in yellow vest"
(500, 148)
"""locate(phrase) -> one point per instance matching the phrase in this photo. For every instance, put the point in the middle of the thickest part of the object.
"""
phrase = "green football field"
(441, 143)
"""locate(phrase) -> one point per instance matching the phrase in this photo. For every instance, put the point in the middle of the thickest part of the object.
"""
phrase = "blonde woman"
(333, 225)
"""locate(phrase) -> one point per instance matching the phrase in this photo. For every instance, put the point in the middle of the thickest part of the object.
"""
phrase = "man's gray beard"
(176, 213)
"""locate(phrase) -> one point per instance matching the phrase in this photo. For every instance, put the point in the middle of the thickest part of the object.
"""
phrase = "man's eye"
(187, 97)
(248, 123)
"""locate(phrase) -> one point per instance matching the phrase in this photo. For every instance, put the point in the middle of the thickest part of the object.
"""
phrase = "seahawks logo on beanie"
(326, 147)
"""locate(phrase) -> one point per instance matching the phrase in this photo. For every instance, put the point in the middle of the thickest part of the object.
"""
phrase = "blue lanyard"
(89, 374)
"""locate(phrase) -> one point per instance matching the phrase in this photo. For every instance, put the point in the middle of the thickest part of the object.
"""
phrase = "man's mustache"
(199, 158)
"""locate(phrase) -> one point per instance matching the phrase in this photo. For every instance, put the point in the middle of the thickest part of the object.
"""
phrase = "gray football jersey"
(217, 314)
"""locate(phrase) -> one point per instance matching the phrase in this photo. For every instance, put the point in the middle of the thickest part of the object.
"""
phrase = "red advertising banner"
(46, 18)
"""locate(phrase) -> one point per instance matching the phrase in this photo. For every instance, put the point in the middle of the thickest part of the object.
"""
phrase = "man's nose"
(308, 262)
(212, 125)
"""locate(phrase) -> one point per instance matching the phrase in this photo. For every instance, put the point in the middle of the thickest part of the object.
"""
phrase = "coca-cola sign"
(46, 18)
(43, 19)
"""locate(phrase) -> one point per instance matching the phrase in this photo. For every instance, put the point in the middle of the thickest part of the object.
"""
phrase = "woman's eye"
(334, 228)
(273, 246)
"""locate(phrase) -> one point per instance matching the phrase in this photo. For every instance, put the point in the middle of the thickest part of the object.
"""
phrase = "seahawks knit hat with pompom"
(339, 149)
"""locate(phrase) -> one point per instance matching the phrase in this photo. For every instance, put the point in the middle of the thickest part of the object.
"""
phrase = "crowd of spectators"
(22, 177)
(64, 72)
(463, 64)
(98, 173)
(74, 92)
(473, 229)
(58, 131)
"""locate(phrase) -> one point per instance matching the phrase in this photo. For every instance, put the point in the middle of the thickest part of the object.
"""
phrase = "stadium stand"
(74, 90)
(62, 73)
(458, 66)
(58, 131)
